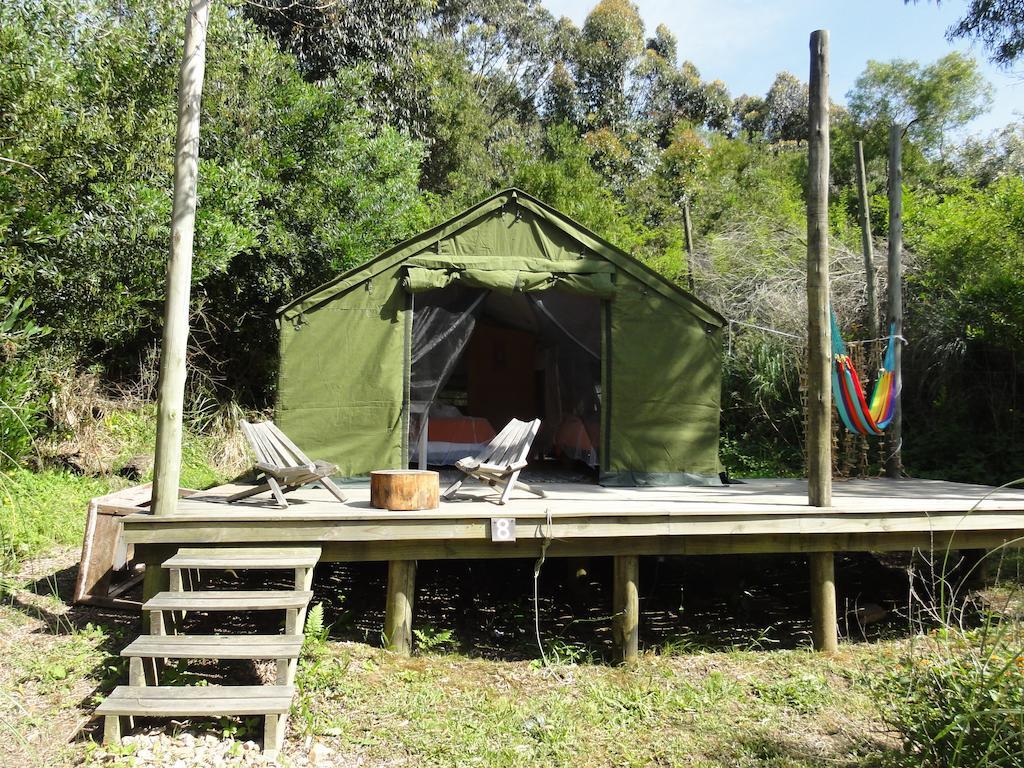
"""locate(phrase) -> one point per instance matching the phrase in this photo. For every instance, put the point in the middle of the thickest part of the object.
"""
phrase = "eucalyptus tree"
(997, 24)
(785, 109)
(929, 100)
(611, 39)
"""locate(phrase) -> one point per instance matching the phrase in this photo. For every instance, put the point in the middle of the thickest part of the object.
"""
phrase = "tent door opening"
(480, 358)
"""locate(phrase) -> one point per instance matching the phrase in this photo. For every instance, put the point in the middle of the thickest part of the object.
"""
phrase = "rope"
(901, 339)
(536, 579)
(898, 338)
(766, 330)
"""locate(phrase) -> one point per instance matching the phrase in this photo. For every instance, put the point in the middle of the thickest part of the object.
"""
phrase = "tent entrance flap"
(480, 358)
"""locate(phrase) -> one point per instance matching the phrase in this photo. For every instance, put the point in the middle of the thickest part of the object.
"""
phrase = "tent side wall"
(343, 377)
(664, 382)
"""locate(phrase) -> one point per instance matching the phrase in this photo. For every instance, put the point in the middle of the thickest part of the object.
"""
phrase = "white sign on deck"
(503, 529)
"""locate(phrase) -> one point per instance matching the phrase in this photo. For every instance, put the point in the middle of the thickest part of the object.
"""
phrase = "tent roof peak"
(500, 201)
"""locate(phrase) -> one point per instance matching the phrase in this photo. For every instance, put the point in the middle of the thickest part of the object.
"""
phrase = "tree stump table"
(405, 489)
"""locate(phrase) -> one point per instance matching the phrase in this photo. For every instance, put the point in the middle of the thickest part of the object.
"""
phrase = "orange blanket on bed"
(463, 429)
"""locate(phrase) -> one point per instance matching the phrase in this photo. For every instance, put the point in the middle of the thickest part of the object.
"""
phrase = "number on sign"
(503, 529)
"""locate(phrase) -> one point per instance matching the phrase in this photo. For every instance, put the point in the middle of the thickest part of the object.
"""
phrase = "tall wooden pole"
(819, 342)
(171, 392)
(894, 462)
(819, 337)
(688, 239)
(867, 246)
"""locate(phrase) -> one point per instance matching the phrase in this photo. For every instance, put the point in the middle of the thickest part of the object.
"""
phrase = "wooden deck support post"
(824, 620)
(173, 346)
(894, 440)
(819, 341)
(154, 580)
(398, 610)
(626, 605)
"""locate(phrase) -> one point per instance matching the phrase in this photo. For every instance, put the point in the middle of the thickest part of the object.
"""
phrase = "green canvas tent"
(516, 302)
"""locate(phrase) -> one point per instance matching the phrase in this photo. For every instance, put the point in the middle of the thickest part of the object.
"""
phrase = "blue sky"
(745, 43)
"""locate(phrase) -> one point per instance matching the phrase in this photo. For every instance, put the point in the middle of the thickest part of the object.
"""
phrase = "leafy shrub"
(22, 411)
(958, 699)
(21, 402)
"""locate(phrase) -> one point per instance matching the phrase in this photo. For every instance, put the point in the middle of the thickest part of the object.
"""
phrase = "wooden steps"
(215, 647)
(211, 700)
(271, 701)
(144, 696)
(261, 600)
(273, 558)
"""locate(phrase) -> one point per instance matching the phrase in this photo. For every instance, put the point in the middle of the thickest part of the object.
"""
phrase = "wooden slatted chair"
(282, 465)
(501, 461)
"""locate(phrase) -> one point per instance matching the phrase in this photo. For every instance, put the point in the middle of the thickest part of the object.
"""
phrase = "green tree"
(611, 39)
(931, 100)
(1000, 155)
(785, 109)
(665, 94)
(997, 24)
(749, 114)
(295, 182)
(559, 103)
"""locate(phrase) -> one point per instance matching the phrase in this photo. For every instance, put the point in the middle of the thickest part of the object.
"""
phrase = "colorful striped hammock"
(848, 393)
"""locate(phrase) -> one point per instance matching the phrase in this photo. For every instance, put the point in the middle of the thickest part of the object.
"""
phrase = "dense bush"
(295, 183)
(957, 699)
(22, 402)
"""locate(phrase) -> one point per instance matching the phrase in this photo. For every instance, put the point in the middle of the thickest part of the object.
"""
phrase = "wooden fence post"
(688, 240)
(824, 620)
(819, 337)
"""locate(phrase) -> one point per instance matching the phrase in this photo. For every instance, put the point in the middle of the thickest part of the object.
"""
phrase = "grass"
(737, 709)
(792, 709)
(41, 510)
(45, 509)
(680, 705)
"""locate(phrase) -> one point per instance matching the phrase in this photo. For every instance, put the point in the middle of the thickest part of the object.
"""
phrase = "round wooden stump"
(405, 489)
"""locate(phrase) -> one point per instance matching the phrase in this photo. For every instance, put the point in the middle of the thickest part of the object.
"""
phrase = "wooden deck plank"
(217, 600)
(215, 647)
(198, 701)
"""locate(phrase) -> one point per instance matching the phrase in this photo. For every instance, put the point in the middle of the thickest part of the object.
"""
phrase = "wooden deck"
(575, 520)
(756, 516)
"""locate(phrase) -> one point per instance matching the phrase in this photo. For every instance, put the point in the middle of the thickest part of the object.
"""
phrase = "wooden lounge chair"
(501, 460)
(282, 465)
